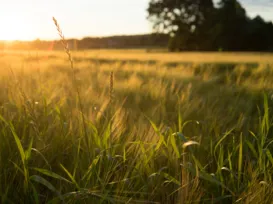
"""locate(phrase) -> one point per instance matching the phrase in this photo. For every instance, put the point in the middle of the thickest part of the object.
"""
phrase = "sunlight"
(11, 30)
(16, 27)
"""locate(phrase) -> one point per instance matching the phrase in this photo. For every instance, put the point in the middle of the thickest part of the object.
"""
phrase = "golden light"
(14, 27)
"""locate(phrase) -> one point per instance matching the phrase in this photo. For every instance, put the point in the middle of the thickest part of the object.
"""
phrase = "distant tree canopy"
(147, 41)
(199, 25)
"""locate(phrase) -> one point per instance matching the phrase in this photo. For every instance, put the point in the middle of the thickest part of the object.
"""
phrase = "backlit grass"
(197, 132)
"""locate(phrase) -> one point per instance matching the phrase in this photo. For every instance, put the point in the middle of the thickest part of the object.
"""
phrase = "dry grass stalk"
(65, 45)
(111, 85)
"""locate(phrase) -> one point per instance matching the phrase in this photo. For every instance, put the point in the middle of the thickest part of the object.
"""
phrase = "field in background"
(155, 56)
(181, 128)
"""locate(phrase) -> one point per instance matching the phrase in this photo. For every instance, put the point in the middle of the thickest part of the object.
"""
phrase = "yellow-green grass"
(175, 132)
(143, 55)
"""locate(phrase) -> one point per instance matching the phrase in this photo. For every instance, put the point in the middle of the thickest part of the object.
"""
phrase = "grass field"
(136, 127)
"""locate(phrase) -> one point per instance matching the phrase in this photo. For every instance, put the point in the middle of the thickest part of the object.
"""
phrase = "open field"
(156, 56)
(135, 127)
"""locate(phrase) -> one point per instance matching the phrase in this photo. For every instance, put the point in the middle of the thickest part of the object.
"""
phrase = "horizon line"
(80, 38)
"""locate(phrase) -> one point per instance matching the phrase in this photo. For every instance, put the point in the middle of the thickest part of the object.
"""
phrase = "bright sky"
(32, 19)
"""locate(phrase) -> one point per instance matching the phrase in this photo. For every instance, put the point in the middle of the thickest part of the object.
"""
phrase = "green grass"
(173, 132)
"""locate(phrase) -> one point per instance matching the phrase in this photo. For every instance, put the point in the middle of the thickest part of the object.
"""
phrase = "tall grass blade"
(70, 176)
(51, 174)
(240, 159)
(44, 182)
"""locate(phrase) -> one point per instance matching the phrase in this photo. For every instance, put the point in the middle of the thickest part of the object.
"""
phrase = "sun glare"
(15, 28)
(13, 31)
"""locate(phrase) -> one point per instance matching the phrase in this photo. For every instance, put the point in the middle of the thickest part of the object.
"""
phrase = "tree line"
(202, 25)
(147, 41)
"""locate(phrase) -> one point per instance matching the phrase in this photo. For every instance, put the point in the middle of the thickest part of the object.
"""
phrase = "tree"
(233, 20)
(181, 19)
(259, 33)
(198, 25)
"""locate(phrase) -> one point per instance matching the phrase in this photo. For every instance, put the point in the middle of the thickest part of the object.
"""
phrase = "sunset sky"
(32, 19)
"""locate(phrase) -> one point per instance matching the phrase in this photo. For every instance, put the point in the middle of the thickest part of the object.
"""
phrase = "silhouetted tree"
(198, 25)
(233, 20)
(181, 19)
(259, 35)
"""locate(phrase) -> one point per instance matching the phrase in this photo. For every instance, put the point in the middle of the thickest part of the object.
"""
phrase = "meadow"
(135, 126)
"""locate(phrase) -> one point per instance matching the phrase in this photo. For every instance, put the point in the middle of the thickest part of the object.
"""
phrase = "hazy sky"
(31, 19)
